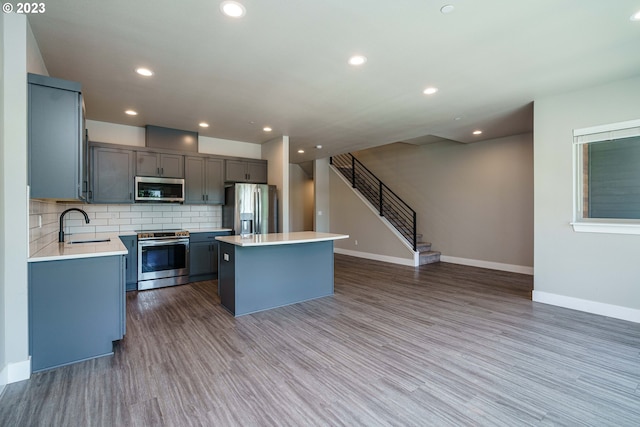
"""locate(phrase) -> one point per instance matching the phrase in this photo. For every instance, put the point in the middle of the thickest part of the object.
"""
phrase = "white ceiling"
(285, 65)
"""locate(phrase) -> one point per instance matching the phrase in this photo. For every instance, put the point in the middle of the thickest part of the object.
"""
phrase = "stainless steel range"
(163, 258)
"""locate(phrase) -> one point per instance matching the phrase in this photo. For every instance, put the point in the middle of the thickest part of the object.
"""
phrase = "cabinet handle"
(157, 171)
(161, 171)
(207, 197)
(130, 196)
(90, 194)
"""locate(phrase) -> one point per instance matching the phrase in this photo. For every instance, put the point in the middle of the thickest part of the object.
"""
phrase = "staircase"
(387, 203)
(427, 256)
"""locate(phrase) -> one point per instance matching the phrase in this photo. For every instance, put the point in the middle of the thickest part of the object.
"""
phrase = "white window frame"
(588, 135)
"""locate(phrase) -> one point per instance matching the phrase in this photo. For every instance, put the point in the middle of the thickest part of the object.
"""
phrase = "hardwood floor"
(438, 345)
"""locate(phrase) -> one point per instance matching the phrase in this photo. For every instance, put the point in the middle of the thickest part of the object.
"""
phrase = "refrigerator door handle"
(257, 212)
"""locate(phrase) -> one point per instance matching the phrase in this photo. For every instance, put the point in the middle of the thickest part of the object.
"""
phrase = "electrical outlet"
(39, 221)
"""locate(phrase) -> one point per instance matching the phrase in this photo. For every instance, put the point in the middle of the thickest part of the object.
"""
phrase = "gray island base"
(266, 271)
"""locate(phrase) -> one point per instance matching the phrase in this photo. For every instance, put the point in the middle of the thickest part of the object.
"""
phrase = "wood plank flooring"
(395, 346)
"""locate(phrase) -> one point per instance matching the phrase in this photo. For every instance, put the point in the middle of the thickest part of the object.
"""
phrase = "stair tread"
(427, 253)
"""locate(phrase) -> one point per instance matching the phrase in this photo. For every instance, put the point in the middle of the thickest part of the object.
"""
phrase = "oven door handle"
(161, 242)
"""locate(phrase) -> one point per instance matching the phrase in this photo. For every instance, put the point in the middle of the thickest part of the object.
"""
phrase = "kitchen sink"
(89, 241)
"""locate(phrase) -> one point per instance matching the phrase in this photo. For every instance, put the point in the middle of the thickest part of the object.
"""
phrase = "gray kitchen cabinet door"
(56, 139)
(214, 181)
(194, 180)
(246, 171)
(172, 165)
(257, 172)
(112, 175)
(204, 181)
(147, 164)
(236, 171)
(159, 165)
(203, 255)
(201, 264)
(131, 262)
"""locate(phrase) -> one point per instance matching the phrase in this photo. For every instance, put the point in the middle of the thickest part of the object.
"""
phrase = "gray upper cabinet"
(204, 183)
(112, 175)
(246, 171)
(159, 164)
(57, 144)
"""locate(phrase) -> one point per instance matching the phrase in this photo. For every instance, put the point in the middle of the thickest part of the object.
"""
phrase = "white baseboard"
(594, 307)
(522, 269)
(377, 257)
(14, 372)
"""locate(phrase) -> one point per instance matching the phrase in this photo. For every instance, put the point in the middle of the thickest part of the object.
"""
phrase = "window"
(607, 178)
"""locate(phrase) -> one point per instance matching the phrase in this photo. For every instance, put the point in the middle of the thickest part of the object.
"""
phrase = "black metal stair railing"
(388, 204)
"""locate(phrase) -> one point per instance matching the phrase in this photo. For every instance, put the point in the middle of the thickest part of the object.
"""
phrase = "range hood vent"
(172, 139)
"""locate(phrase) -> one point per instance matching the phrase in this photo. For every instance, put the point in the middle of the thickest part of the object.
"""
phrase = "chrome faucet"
(61, 232)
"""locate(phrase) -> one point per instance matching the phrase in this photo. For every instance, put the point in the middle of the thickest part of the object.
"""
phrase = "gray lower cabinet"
(204, 180)
(76, 309)
(203, 255)
(112, 175)
(57, 144)
(159, 164)
(254, 171)
(131, 262)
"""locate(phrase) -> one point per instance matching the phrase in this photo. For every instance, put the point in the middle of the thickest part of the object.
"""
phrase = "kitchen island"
(265, 271)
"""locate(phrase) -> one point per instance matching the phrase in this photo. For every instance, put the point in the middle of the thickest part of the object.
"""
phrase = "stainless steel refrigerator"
(251, 209)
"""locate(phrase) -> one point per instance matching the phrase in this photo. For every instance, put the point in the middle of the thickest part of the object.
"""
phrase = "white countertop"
(206, 230)
(60, 251)
(280, 238)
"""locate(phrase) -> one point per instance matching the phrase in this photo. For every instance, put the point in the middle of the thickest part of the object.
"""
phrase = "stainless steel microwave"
(152, 189)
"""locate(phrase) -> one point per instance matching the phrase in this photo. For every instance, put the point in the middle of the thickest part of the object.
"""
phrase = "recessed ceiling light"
(203, 124)
(477, 132)
(357, 60)
(301, 151)
(233, 9)
(144, 72)
(636, 16)
(267, 129)
(319, 147)
(430, 90)
(447, 8)
(131, 112)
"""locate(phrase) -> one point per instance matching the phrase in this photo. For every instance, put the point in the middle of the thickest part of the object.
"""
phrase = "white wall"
(35, 63)
(113, 133)
(226, 147)
(474, 202)
(14, 360)
(368, 236)
(3, 209)
(593, 272)
(276, 153)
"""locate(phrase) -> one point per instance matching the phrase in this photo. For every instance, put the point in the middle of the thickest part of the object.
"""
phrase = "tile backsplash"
(44, 218)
